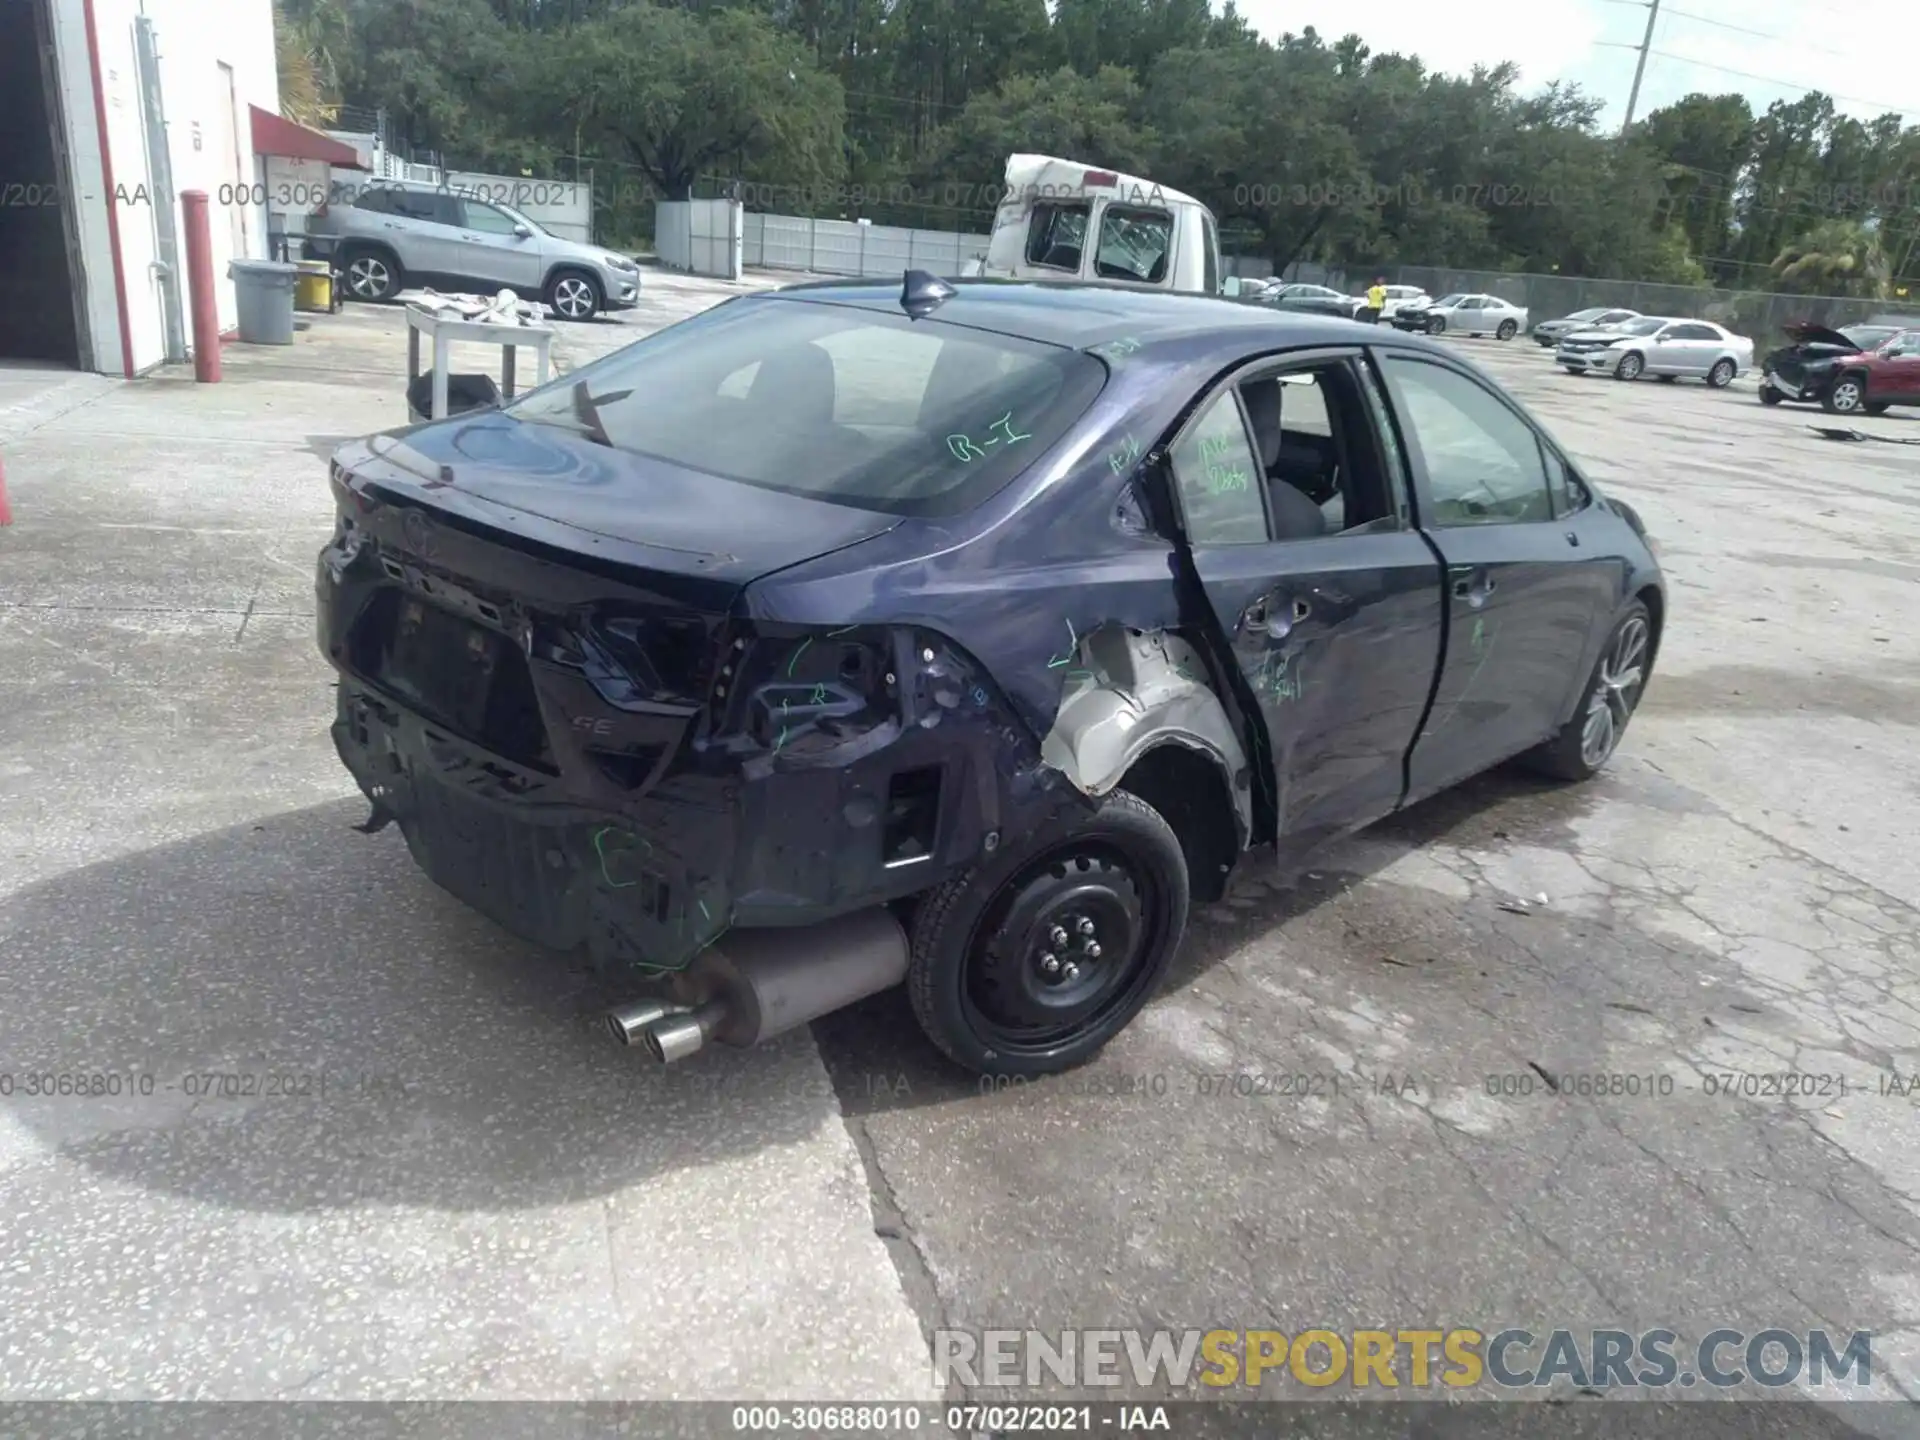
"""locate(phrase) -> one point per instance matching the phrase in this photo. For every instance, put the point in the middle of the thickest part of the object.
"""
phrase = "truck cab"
(1062, 220)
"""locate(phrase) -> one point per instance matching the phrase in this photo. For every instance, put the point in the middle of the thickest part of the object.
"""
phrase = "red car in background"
(1861, 368)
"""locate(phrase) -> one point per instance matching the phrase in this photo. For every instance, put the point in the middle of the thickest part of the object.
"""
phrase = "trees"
(1313, 150)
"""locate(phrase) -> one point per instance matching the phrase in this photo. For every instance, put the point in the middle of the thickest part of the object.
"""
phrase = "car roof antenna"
(921, 294)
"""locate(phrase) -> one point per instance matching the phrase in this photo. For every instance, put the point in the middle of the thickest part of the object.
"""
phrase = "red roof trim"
(273, 135)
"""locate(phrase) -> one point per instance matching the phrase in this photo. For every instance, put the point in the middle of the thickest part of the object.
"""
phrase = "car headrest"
(1262, 398)
(797, 381)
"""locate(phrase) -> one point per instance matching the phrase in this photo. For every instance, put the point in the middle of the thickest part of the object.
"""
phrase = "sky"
(1855, 50)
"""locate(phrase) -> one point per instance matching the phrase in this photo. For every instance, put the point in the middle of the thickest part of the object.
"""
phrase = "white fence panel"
(846, 247)
(702, 237)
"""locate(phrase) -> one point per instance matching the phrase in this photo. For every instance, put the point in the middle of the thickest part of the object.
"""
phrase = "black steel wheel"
(1030, 962)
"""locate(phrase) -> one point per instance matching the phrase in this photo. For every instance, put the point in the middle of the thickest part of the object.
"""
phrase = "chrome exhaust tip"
(629, 1022)
(674, 1038)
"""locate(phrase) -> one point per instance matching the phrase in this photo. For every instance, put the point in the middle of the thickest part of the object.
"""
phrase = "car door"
(1525, 585)
(490, 250)
(427, 226)
(1336, 634)
(1894, 374)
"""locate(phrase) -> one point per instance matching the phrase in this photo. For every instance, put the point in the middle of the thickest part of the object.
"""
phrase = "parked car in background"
(1856, 368)
(1661, 346)
(1399, 297)
(1549, 333)
(1313, 300)
(396, 234)
(642, 664)
(1465, 315)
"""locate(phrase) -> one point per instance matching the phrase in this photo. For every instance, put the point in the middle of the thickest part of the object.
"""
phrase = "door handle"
(1476, 587)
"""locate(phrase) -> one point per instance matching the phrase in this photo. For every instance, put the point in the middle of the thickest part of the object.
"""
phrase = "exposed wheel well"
(1190, 791)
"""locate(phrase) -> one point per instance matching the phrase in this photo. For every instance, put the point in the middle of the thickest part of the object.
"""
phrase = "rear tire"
(1877, 407)
(1721, 375)
(1769, 395)
(1587, 741)
(574, 295)
(1630, 366)
(372, 272)
(1113, 884)
(1508, 329)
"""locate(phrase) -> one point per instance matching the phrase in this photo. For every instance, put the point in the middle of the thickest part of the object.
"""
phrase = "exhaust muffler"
(756, 984)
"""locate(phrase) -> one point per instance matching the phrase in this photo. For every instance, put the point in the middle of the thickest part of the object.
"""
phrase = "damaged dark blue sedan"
(956, 635)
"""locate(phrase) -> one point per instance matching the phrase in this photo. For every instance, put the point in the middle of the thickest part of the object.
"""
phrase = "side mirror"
(523, 232)
(1230, 287)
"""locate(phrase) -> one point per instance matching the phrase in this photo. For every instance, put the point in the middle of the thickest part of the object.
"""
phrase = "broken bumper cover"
(839, 773)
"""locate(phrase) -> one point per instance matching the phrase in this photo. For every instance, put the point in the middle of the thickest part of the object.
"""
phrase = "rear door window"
(432, 206)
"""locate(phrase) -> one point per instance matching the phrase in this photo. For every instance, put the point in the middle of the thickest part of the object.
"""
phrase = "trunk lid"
(564, 491)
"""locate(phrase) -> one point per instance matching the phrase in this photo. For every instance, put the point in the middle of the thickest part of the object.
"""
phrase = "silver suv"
(394, 234)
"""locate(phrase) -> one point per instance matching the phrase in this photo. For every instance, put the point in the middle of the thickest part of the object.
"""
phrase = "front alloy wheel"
(572, 297)
(1436, 324)
(1588, 740)
(1616, 690)
(1630, 366)
(1845, 396)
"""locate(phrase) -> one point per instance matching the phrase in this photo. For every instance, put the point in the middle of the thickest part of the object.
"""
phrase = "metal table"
(444, 330)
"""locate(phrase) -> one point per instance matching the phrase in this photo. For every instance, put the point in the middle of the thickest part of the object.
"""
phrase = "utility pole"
(1640, 65)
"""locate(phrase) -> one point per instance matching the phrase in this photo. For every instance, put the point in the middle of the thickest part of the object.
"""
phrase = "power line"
(1783, 84)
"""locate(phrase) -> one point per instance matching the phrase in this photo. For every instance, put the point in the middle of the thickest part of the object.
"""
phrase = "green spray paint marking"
(599, 849)
(1073, 644)
(1123, 455)
(783, 728)
(819, 695)
(797, 654)
(705, 914)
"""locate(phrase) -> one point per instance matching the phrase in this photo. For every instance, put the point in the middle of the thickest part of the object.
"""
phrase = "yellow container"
(314, 288)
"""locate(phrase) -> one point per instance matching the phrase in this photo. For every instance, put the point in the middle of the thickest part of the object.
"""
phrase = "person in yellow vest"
(1376, 299)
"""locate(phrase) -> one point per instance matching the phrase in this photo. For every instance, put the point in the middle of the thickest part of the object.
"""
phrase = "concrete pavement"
(1337, 1114)
(386, 1152)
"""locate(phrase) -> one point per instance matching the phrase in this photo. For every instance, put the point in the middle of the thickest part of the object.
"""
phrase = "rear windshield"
(857, 407)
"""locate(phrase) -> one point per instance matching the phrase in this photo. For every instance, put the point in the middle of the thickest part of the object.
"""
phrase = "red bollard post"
(200, 292)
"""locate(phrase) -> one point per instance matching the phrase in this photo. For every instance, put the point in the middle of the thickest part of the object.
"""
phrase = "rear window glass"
(853, 406)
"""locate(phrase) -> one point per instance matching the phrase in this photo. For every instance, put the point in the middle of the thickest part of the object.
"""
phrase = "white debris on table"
(504, 308)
